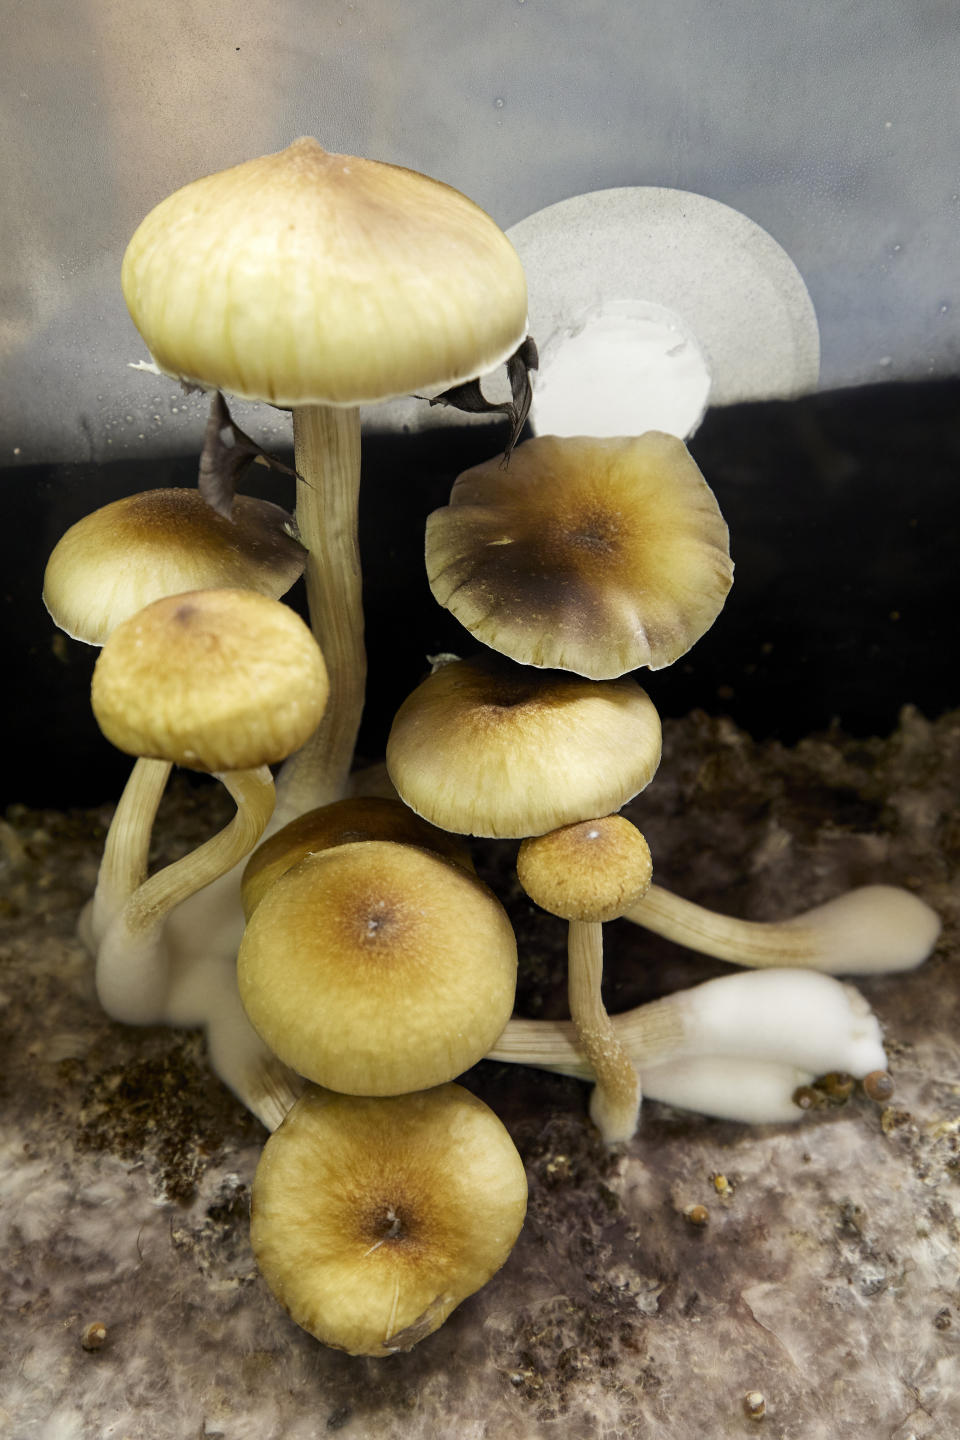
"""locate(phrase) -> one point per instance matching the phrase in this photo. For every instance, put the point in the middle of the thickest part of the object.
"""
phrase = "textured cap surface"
(211, 679)
(305, 277)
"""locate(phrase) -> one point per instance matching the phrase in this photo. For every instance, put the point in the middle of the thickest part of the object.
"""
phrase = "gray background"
(833, 124)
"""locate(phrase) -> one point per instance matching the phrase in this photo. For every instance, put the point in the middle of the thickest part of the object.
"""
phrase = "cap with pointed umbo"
(321, 282)
(592, 555)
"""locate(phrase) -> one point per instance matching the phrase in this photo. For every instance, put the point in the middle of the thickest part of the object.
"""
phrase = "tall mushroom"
(320, 282)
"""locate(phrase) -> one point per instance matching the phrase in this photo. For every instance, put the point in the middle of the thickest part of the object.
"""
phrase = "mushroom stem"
(133, 967)
(785, 1017)
(327, 453)
(615, 1102)
(123, 866)
(870, 930)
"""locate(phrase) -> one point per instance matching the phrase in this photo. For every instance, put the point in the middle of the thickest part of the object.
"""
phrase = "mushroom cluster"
(355, 966)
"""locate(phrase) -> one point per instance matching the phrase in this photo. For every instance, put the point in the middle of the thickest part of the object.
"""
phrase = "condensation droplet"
(499, 102)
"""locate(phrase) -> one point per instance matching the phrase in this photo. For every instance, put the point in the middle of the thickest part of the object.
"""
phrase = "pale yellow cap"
(372, 1219)
(136, 550)
(483, 747)
(310, 278)
(378, 968)
(212, 680)
(593, 555)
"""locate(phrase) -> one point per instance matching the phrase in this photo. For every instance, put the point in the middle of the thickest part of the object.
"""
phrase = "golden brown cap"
(590, 871)
(310, 278)
(343, 822)
(372, 1219)
(483, 747)
(123, 556)
(377, 968)
(212, 679)
(591, 555)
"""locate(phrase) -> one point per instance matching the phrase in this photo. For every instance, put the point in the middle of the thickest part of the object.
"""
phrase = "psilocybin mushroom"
(588, 874)
(378, 968)
(592, 555)
(321, 282)
(485, 747)
(371, 1219)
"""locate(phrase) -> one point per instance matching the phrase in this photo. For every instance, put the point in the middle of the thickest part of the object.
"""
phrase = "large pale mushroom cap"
(310, 278)
(343, 822)
(591, 555)
(378, 968)
(483, 747)
(214, 680)
(136, 550)
(372, 1219)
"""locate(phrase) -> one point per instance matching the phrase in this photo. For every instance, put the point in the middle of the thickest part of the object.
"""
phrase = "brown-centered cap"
(591, 871)
(377, 968)
(305, 277)
(592, 555)
(136, 550)
(483, 747)
(344, 822)
(214, 680)
(372, 1219)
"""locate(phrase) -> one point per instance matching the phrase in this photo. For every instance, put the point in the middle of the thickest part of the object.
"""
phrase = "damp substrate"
(826, 1276)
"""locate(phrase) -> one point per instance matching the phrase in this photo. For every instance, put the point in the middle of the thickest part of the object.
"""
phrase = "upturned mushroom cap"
(377, 968)
(214, 680)
(591, 871)
(343, 822)
(309, 278)
(591, 555)
(486, 748)
(372, 1219)
(136, 550)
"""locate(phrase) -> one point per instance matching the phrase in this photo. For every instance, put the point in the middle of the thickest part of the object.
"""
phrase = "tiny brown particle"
(754, 1404)
(878, 1085)
(94, 1336)
(697, 1215)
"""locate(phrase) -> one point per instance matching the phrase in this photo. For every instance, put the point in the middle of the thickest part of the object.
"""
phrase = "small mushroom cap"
(487, 748)
(377, 968)
(371, 1219)
(136, 550)
(343, 822)
(591, 555)
(213, 680)
(591, 871)
(310, 278)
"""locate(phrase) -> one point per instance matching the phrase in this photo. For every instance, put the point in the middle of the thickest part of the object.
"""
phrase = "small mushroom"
(588, 874)
(377, 968)
(484, 747)
(591, 555)
(224, 681)
(371, 1219)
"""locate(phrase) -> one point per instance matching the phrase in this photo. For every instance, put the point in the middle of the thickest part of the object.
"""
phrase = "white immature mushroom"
(319, 283)
(587, 874)
(224, 681)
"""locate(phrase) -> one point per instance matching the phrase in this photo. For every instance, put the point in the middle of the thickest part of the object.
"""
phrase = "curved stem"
(327, 452)
(867, 931)
(615, 1102)
(123, 867)
(133, 971)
